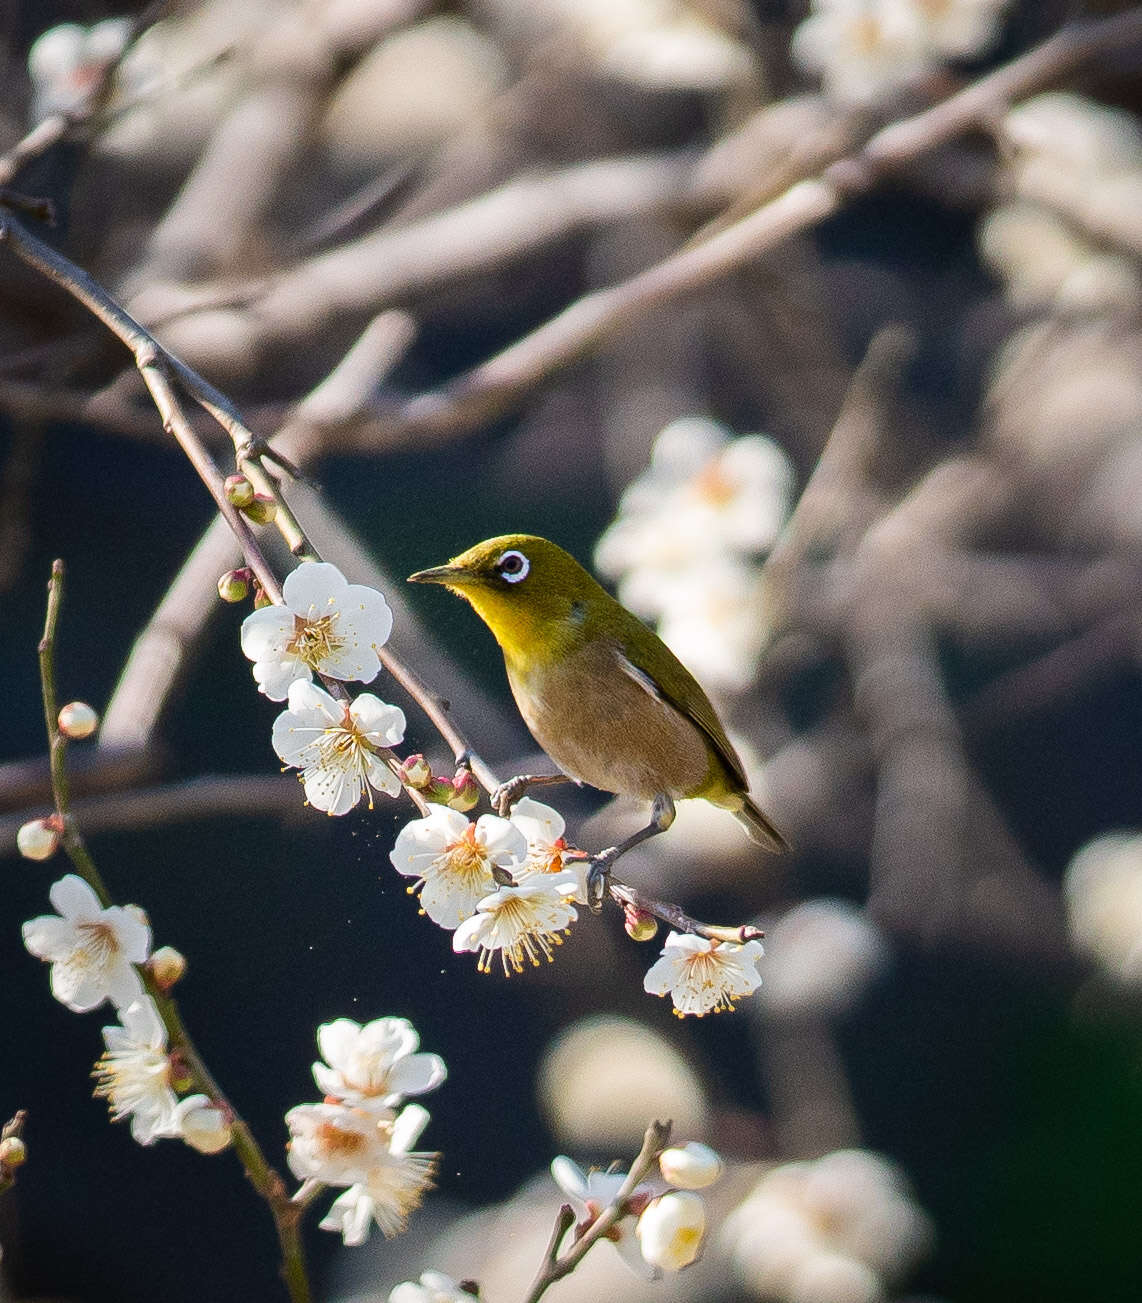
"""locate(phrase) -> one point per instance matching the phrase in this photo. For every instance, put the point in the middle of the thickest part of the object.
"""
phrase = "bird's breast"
(603, 727)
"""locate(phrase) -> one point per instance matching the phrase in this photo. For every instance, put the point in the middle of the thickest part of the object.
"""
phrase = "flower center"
(705, 972)
(98, 946)
(314, 641)
(339, 1142)
(467, 859)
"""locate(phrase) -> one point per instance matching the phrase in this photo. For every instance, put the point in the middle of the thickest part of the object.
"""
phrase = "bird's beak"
(438, 575)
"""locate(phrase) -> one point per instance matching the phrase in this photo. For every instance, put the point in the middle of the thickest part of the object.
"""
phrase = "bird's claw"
(507, 794)
(599, 878)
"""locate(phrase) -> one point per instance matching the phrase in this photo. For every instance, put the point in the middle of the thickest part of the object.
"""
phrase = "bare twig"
(555, 1267)
(486, 390)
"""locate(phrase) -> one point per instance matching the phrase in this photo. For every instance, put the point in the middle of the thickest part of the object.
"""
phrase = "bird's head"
(525, 588)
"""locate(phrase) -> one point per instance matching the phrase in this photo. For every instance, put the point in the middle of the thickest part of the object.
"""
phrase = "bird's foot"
(599, 877)
(507, 794)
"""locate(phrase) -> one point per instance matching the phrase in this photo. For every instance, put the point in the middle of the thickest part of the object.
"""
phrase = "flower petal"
(74, 899)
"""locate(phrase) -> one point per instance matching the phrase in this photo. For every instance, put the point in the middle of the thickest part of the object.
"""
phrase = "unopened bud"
(38, 839)
(640, 926)
(671, 1230)
(203, 1125)
(167, 966)
(438, 790)
(690, 1166)
(415, 771)
(234, 585)
(77, 719)
(262, 509)
(13, 1152)
(261, 598)
(239, 491)
(465, 792)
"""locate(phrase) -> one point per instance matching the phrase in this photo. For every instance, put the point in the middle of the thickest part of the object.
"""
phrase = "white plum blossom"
(686, 546)
(544, 828)
(433, 1287)
(703, 496)
(703, 976)
(589, 1193)
(691, 1166)
(373, 1067)
(134, 1075)
(37, 839)
(93, 951)
(324, 624)
(452, 859)
(838, 1229)
(368, 1152)
(863, 49)
(522, 922)
(671, 1230)
(66, 62)
(202, 1124)
(335, 744)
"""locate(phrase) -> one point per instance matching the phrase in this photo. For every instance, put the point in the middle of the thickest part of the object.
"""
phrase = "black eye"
(513, 566)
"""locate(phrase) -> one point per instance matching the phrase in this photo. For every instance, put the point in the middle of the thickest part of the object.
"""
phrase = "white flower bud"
(37, 840)
(13, 1152)
(671, 1230)
(167, 966)
(77, 720)
(203, 1125)
(690, 1166)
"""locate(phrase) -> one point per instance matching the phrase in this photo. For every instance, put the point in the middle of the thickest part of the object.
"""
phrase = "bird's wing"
(677, 687)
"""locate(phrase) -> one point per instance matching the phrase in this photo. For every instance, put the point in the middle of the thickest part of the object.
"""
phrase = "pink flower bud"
(415, 771)
(13, 1152)
(239, 491)
(639, 925)
(465, 792)
(234, 585)
(167, 966)
(262, 509)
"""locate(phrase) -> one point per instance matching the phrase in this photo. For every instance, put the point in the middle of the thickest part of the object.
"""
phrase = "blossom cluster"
(1073, 173)
(95, 953)
(863, 49)
(686, 546)
(361, 1137)
(507, 888)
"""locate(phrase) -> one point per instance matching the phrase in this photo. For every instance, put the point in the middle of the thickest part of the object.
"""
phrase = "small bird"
(602, 694)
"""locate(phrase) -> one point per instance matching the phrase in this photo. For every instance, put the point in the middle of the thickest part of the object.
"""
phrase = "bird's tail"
(759, 826)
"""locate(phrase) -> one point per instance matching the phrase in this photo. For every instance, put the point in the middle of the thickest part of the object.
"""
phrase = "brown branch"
(489, 388)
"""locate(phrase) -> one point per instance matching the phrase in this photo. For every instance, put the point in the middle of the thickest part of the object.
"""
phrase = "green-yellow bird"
(602, 694)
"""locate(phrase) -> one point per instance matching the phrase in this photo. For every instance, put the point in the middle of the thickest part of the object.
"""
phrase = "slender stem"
(262, 1176)
(678, 919)
(554, 1267)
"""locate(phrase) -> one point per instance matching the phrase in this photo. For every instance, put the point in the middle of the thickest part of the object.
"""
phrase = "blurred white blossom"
(671, 1230)
(374, 1066)
(93, 951)
(589, 1193)
(1064, 240)
(451, 860)
(134, 1074)
(686, 545)
(837, 1229)
(325, 624)
(433, 1287)
(703, 976)
(523, 923)
(863, 49)
(66, 62)
(1103, 893)
(823, 956)
(335, 744)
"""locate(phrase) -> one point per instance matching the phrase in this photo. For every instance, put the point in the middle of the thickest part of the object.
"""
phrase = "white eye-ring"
(513, 566)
